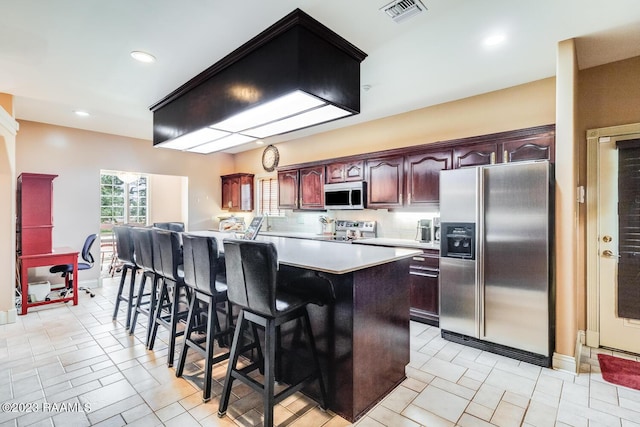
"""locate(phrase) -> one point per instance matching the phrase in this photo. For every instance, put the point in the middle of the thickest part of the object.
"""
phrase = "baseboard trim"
(593, 338)
(564, 363)
(9, 316)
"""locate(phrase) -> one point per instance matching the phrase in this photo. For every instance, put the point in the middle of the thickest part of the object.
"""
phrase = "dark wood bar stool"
(172, 301)
(124, 245)
(146, 299)
(208, 291)
(252, 281)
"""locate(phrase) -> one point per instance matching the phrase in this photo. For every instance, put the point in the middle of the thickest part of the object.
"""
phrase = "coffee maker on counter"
(424, 230)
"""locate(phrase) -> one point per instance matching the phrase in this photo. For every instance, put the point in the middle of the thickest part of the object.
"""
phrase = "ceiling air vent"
(400, 10)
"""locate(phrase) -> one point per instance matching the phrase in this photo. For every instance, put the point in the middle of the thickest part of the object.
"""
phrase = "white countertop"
(376, 241)
(295, 235)
(327, 256)
(399, 243)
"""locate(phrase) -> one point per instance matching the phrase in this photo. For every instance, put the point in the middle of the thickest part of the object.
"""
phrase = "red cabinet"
(34, 227)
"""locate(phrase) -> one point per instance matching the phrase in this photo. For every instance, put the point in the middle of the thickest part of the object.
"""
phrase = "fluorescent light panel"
(279, 108)
(287, 113)
(309, 118)
(222, 143)
(193, 139)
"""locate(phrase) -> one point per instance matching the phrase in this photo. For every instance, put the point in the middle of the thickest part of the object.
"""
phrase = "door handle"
(609, 254)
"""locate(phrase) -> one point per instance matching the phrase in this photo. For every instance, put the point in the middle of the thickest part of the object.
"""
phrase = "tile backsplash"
(391, 224)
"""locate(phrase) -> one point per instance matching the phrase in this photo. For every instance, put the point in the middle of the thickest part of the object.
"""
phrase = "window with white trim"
(123, 199)
(268, 197)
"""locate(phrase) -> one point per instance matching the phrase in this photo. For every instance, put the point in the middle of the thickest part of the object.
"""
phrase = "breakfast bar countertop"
(326, 256)
(398, 243)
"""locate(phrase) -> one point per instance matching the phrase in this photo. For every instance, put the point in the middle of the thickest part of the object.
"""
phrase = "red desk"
(57, 256)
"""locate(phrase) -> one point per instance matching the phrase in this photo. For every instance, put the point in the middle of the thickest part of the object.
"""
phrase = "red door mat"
(619, 371)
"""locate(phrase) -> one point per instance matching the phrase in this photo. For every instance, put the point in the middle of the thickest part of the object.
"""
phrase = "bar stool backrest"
(168, 243)
(172, 226)
(142, 247)
(200, 262)
(124, 244)
(252, 270)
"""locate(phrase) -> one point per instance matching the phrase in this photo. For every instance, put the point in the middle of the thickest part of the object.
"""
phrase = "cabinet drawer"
(418, 270)
(428, 259)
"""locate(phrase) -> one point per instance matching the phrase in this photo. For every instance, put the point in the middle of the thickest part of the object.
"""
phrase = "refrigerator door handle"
(480, 254)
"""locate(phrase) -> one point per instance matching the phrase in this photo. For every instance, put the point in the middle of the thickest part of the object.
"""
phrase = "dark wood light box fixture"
(296, 53)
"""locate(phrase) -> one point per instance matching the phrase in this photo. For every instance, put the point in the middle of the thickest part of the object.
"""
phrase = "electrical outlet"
(300, 219)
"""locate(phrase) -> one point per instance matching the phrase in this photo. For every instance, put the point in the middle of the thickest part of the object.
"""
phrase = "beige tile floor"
(79, 359)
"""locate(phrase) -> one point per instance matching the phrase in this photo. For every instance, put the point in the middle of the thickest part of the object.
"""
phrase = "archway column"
(8, 130)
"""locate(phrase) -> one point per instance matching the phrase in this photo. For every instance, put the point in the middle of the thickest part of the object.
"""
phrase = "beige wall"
(78, 156)
(566, 241)
(608, 95)
(168, 199)
(519, 107)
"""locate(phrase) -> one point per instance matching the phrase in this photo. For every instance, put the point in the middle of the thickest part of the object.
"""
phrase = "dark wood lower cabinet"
(424, 286)
(362, 336)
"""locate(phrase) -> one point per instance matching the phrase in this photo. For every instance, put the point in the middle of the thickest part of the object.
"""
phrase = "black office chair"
(252, 285)
(67, 269)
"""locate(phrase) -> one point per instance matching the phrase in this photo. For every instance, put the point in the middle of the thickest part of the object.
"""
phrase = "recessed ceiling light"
(494, 39)
(81, 113)
(141, 56)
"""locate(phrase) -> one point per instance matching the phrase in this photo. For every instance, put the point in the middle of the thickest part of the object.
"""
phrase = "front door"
(619, 243)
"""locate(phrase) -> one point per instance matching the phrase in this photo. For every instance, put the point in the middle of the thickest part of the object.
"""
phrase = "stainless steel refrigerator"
(496, 285)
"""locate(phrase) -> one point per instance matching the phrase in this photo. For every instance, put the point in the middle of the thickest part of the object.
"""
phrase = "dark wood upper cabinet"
(536, 147)
(312, 188)
(345, 171)
(409, 177)
(385, 178)
(237, 192)
(423, 176)
(475, 155)
(301, 188)
(288, 189)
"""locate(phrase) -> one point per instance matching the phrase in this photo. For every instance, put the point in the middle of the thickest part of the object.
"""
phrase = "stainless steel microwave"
(345, 195)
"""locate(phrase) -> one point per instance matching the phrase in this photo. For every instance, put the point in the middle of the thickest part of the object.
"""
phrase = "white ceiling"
(65, 55)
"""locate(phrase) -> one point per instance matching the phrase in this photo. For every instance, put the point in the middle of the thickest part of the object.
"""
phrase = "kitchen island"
(363, 334)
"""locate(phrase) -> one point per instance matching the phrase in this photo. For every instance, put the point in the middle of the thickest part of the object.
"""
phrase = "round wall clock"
(270, 158)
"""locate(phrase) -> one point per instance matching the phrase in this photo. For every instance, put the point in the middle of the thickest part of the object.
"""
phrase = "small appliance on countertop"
(435, 230)
(424, 231)
(354, 230)
(232, 223)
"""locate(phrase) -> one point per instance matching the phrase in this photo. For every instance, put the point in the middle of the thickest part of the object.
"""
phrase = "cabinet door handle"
(419, 258)
(505, 158)
(432, 276)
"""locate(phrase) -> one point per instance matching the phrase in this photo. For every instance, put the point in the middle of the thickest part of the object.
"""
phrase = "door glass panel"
(629, 229)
